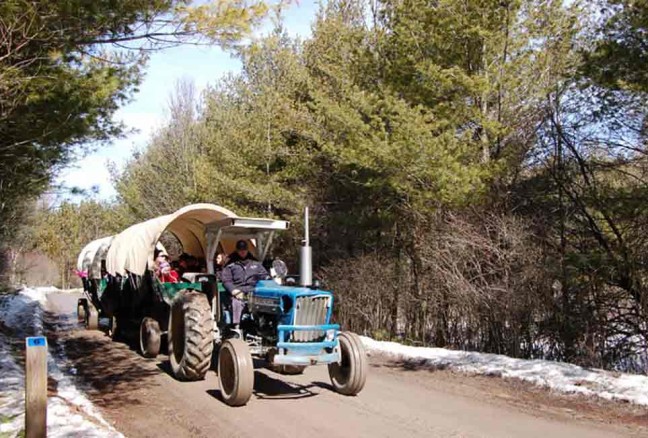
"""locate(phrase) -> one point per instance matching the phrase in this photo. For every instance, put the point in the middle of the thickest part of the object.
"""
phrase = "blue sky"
(202, 65)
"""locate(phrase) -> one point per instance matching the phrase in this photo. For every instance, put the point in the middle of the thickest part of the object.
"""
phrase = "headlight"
(330, 335)
(280, 269)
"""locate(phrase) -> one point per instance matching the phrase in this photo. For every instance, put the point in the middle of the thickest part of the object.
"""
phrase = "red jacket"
(171, 277)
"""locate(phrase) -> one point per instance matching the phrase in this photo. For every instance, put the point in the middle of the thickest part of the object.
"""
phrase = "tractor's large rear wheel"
(348, 377)
(190, 336)
(235, 372)
(150, 337)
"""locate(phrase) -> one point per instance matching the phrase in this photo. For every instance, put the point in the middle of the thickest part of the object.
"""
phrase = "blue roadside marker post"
(36, 387)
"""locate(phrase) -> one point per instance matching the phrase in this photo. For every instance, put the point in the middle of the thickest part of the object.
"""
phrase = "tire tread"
(350, 344)
(198, 344)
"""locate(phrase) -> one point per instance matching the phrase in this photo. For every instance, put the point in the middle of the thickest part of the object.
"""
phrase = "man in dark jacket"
(239, 277)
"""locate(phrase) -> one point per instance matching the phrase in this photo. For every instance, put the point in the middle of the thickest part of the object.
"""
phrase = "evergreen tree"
(66, 66)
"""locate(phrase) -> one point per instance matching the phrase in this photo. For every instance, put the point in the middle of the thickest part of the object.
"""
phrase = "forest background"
(476, 169)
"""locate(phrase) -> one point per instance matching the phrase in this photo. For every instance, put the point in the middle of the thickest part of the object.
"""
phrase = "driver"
(239, 276)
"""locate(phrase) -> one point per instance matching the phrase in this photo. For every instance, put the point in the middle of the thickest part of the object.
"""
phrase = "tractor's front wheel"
(150, 337)
(190, 335)
(348, 377)
(235, 372)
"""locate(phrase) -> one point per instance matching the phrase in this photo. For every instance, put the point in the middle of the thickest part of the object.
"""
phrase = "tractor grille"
(311, 311)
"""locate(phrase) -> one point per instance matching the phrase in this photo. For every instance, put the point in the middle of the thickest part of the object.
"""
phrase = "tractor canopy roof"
(132, 249)
(258, 232)
(90, 257)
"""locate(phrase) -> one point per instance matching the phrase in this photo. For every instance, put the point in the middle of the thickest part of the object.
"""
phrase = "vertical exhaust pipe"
(306, 256)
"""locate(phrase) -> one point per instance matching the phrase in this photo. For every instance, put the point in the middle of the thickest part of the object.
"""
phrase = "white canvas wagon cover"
(132, 249)
(89, 259)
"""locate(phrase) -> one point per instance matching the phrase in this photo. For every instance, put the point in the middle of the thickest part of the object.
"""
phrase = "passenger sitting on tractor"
(239, 277)
(219, 263)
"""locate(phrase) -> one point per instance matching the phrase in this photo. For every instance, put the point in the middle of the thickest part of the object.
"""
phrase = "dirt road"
(141, 399)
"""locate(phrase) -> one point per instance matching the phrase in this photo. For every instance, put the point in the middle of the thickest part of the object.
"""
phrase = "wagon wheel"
(150, 337)
(92, 318)
(113, 328)
(82, 303)
(348, 377)
(235, 372)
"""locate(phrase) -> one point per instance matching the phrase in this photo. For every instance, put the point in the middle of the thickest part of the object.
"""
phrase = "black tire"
(349, 376)
(235, 372)
(191, 337)
(150, 337)
(81, 309)
(92, 318)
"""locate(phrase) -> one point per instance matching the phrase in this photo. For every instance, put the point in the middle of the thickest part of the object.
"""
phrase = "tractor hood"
(270, 289)
(297, 305)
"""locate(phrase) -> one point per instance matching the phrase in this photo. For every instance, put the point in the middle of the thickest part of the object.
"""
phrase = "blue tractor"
(285, 323)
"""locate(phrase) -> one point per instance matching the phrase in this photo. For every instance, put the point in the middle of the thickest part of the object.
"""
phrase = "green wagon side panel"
(170, 290)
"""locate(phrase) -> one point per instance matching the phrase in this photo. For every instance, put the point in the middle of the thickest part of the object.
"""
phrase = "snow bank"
(555, 375)
(69, 412)
(11, 396)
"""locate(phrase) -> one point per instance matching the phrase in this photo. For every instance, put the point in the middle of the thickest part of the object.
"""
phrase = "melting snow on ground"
(69, 412)
(555, 375)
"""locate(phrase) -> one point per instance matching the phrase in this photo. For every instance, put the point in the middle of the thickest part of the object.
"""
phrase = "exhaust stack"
(306, 256)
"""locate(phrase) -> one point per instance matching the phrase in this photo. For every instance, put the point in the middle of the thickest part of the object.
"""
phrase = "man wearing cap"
(240, 275)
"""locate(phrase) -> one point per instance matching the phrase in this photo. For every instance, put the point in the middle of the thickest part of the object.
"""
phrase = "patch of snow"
(558, 376)
(69, 412)
(23, 312)
(12, 383)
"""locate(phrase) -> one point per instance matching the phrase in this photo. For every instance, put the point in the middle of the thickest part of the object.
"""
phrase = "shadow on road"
(165, 367)
(267, 387)
(110, 369)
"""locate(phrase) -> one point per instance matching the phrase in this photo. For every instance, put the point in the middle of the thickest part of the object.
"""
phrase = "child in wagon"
(163, 269)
